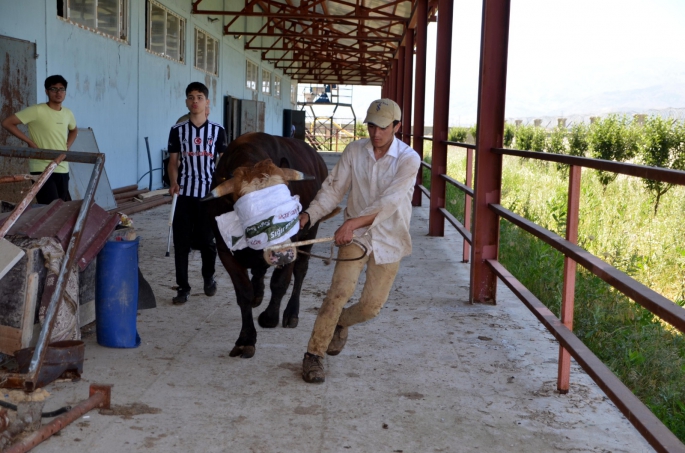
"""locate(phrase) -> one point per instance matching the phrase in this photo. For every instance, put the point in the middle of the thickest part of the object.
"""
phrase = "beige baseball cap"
(383, 112)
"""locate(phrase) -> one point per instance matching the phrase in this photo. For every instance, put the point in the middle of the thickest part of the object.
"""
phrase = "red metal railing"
(466, 187)
(655, 432)
(487, 211)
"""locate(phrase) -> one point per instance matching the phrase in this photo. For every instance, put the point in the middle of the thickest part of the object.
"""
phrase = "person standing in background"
(51, 126)
(194, 147)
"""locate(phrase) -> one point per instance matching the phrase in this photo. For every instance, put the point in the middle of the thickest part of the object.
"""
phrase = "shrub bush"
(659, 147)
(457, 134)
(578, 140)
(612, 138)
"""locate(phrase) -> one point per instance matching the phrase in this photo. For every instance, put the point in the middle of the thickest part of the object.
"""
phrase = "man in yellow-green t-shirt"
(53, 127)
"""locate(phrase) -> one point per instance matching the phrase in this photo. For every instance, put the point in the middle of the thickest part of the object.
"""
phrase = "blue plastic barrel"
(116, 294)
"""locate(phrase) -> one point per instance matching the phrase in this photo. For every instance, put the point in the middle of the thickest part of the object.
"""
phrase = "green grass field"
(617, 224)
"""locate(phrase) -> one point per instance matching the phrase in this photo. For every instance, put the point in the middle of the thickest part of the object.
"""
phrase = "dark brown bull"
(246, 151)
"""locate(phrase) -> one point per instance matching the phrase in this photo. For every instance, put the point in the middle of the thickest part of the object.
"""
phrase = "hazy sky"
(568, 57)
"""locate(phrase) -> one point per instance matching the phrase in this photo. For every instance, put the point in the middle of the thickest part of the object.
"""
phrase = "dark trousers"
(192, 229)
(57, 186)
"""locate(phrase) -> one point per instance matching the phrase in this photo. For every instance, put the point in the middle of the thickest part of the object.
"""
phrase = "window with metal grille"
(266, 81)
(206, 53)
(105, 17)
(277, 86)
(164, 32)
(251, 75)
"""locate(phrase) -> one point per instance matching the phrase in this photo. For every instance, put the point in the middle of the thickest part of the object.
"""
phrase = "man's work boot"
(312, 369)
(181, 297)
(338, 341)
(210, 286)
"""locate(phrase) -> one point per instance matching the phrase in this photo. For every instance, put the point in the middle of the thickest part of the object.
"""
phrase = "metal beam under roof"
(357, 39)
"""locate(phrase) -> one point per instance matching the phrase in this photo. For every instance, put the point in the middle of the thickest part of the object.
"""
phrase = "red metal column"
(569, 288)
(399, 93)
(488, 183)
(443, 56)
(393, 81)
(406, 96)
(420, 89)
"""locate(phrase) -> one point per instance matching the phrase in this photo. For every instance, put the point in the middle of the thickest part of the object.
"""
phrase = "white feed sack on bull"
(261, 219)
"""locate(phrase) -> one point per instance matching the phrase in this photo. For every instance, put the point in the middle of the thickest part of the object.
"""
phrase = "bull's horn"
(294, 175)
(223, 189)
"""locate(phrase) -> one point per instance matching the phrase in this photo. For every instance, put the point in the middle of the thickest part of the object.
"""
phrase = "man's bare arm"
(345, 233)
(173, 173)
(71, 137)
(10, 123)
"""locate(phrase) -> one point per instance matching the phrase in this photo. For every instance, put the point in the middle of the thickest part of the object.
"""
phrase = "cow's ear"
(285, 163)
(223, 189)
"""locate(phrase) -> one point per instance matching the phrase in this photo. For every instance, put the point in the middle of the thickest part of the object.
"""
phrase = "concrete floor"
(430, 374)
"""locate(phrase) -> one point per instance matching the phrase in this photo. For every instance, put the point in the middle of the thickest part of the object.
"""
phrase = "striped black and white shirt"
(200, 148)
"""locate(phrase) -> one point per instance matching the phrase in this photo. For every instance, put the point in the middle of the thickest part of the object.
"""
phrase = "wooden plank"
(29, 310)
(10, 339)
(148, 204)
(127, 204)
(9, 255)
(125, 189)
(130, 194)
(154, 193)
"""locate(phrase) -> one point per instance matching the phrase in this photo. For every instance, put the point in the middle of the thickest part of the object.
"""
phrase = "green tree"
(661, 146)
(524, 137)
(557, 144)
(557, 141)
(473, 131)
(457, 134)
(539, 142)
(360, 130)
(578, 140)
(509, 133)
(612, 138)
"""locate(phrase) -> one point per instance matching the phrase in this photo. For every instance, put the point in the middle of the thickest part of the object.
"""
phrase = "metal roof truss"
(321, 41)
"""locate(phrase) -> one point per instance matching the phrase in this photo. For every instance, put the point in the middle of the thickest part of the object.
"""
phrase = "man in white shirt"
(379, 173)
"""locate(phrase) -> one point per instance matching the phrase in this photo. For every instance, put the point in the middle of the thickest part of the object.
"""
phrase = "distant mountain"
(664, 100)
(630, 101)
(636, 82)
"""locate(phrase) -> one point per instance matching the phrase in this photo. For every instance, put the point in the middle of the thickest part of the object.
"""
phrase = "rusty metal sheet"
(58, 219)
(63, 359)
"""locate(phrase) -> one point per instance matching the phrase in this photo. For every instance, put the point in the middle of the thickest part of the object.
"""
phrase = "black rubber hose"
(149, 162)
(59, 411)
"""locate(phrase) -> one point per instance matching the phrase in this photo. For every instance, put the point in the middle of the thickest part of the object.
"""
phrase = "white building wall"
(125, 93)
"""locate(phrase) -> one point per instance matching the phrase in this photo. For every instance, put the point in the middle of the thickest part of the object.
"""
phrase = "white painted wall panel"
(123, 92)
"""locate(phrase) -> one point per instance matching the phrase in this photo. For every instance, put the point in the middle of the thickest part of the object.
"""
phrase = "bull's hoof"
(245, 352)
(290, 322)
(257, 301)
(266, 321)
